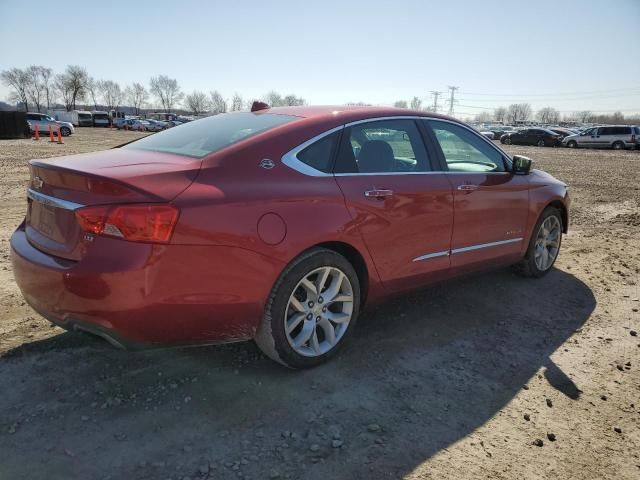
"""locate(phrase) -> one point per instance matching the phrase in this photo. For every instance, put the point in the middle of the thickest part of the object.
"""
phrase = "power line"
(452, 98)
(550, 94)
(435, 100)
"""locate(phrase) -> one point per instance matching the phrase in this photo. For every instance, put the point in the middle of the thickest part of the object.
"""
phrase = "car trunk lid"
(61, 185)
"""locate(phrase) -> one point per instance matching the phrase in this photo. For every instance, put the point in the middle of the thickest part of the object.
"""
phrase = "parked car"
(563, 132)
(85, 119)
(499, 131)
(172, 123)
(276, 225)
(540, 137)
(43, 121)
(135, 124)
(487, 133)
(611, 136)
(155, 125)
(637, 134)
(100, 119)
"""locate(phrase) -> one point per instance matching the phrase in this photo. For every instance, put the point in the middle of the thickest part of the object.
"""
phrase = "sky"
(570, 55)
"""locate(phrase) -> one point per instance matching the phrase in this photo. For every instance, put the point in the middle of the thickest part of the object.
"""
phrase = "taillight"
(134, 222)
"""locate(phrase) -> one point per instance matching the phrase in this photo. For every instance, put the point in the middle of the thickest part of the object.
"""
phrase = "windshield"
(208, 135)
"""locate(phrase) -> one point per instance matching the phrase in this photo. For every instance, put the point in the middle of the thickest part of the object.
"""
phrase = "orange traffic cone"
(59, 136)
(51, 138)
(37, 133)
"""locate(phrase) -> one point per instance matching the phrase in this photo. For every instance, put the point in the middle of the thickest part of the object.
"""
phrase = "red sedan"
(275, 225)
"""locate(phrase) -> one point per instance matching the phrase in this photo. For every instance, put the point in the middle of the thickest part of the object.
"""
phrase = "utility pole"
(435, 100)
(452, 98)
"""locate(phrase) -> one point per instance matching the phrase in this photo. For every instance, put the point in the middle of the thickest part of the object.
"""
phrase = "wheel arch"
(563, 211)
(354, 257)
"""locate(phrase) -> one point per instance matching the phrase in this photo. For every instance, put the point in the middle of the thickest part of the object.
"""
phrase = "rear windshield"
(208, 135)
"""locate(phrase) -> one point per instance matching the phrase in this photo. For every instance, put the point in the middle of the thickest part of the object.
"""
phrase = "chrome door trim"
(290, 159)
(428, 256)
(466, 249)
(485, 245)
(52, 201)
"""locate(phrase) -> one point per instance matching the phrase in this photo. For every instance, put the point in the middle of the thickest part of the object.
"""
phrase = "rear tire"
(617, 145)
(294, 309)
(544, 245)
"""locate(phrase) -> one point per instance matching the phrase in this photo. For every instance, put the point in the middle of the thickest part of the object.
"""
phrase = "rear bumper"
(137, 295)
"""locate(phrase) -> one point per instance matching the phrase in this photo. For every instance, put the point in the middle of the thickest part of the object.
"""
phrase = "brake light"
(135, 222)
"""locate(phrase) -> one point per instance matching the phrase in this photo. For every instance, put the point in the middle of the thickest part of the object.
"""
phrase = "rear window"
(202, 137)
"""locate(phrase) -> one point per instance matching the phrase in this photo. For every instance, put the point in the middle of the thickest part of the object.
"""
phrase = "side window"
(383, 146)
(604, 131)
(464, 151)
(319, 155)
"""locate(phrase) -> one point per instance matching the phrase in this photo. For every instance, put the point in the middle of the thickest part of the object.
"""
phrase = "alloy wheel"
(319, 311)
(547, 242)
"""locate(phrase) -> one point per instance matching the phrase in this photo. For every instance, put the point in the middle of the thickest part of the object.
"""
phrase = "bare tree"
(77, 79)
(273, 98)
(61, 85)
(46, 75)
(584, 116)
(218, 104)
(166, 90)
(401, 104)
(18, 80)
(483, 117)
(111, 93)
(93, 88)
(548, 115)
(136, 95)
(236, 103)
(416, 103)
(292, 101)
(35, 87)
(500, 114)
(519, 112)
(197, 102)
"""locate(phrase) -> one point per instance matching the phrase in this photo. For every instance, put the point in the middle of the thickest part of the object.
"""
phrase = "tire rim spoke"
(319, 311)
(547, 243)
(294, 321)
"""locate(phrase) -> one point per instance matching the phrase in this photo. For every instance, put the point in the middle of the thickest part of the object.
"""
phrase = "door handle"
(378, 194)
(468, 188)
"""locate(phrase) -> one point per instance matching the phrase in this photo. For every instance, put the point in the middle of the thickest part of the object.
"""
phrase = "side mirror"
(521, 165)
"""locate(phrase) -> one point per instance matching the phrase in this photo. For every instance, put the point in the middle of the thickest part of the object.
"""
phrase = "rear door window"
(382, 146)
(320, 154)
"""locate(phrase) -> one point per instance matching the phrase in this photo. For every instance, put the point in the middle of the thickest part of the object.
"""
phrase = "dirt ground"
(455, 382)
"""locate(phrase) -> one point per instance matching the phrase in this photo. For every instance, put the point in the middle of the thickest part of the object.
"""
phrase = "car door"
(602, 137)
(490, 203)
(588, 138)
(401, 206)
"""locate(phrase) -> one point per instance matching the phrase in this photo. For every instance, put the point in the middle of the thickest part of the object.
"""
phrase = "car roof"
(349, 113)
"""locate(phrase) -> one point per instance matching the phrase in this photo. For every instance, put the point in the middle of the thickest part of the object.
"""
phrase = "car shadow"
(421, 372)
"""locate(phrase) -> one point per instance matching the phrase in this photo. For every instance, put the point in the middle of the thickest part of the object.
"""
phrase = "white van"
(610, 136)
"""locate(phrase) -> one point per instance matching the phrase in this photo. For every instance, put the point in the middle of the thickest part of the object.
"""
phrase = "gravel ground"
(491, 376)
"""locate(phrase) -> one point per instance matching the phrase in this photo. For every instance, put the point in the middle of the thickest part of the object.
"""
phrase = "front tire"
(311, 311)
(544, 245)
(507, 141)
(572, 144)
(540, 143)
(65, 131)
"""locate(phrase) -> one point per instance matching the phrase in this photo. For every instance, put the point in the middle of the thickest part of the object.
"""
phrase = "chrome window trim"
(52, 201)
(470, 248)
(291, 160)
